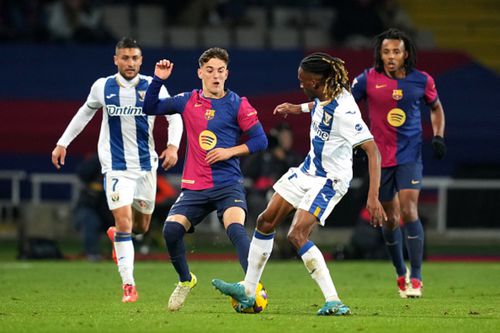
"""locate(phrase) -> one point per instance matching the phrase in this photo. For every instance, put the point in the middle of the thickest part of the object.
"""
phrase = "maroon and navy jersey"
(394, 112)
(211, 123)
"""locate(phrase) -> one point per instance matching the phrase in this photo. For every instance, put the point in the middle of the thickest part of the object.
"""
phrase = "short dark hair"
(214, 52)
(331, 69)
(127, 43)
(393, 33)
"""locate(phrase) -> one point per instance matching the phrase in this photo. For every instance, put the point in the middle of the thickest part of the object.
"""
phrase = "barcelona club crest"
(209, 114)
(397, 94)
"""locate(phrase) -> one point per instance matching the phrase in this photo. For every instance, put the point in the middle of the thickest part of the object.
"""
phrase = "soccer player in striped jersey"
(394, 92)
(215, 118)
(315, 187)
(126, 152)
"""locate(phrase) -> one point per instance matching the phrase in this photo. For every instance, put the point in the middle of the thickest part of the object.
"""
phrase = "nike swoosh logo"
(378, 86)
(110, 96)
(197, 105)
(238, 200)
(412, 237)
(415, 182)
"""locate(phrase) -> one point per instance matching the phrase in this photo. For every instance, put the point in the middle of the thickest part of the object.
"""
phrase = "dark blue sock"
(394, 242)
(173, 233)
(415, 242)
(238, 236)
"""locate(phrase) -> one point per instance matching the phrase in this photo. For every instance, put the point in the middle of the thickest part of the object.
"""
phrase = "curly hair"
(392, 33)
(331, 69)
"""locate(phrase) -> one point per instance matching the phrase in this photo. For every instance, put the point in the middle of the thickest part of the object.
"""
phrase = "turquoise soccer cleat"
(236, 291)
(334, 308)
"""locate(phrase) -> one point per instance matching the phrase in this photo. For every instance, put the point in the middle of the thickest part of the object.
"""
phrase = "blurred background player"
(215, 118)
(91, 214)
(126, 152)
(315, 187)
(394, 91)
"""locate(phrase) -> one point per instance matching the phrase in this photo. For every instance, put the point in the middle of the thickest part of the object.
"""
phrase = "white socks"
(124, 249)
(258, 255)
(316, 266)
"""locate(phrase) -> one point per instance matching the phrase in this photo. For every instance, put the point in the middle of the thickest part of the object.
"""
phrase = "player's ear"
(115, 60)
(199, 73)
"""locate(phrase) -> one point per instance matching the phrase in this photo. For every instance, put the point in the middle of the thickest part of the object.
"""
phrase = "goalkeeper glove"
(439, 147)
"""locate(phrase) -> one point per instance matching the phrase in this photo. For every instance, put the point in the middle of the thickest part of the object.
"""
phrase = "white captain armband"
(304, 107)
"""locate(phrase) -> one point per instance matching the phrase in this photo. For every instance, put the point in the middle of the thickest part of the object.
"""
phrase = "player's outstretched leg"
(236, 291)
(334, 308)
(180, 293)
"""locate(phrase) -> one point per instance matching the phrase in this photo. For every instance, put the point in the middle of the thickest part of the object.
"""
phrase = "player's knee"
(409, 214)
(392, 221)
(264, 225)
(173, 231)
(296, 238)
(142, 226)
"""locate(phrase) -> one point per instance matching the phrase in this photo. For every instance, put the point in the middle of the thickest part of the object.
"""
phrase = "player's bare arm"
(163, 69)
(437, 119)
(377, 213)
(58, 156)
(169, 157)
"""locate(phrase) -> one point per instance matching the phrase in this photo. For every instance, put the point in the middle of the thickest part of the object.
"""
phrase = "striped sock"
(316, 266)
(258, 255)
(124, 249)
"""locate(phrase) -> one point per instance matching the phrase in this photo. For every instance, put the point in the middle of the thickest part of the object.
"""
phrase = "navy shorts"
(196, 205)
(400, 177)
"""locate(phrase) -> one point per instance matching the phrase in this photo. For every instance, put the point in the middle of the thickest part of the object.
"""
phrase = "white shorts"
(136, 188)
(317, 195)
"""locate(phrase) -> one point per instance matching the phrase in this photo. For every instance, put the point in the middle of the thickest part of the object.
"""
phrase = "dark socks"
(173, 233)
(238, 236)
(394, 242)
(415, 244)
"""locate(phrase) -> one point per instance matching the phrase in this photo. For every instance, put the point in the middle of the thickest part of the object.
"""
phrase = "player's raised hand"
(287, 108)
(163, 69)
(58, 156)
(169, 157)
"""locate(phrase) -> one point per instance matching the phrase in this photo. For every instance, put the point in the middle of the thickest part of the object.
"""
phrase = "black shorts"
(196, 205)
(400, 177)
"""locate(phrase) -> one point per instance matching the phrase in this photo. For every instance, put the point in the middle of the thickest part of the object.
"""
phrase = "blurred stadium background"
(48, 69)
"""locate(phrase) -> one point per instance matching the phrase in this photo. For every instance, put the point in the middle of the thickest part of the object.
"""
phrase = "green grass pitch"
(85, 297)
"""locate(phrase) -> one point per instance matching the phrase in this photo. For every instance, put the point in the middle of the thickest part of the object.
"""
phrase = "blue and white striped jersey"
(336, 128)
(126, 136)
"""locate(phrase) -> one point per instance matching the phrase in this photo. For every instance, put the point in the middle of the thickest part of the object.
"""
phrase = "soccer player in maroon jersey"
(215, 118)
(394, 91)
